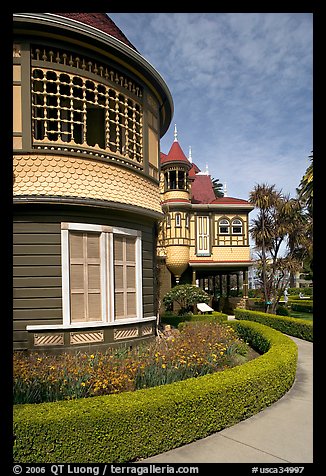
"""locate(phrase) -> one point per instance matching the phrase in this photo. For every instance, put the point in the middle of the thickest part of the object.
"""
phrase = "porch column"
(228, 286)
(245, 284)
(194, 277)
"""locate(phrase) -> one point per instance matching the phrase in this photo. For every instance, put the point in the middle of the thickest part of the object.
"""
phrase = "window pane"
(77, 307)
(130, 249)
(131, 304)
(77, 276)
(93, 246)
(118, 248)
(118, 276)
(131, 277)
(125, 276)
(119, 305)
(85, 277)
(94, 277)
(76, 245)
(94, 307)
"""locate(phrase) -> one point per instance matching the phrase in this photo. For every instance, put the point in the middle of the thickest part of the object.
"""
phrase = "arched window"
(178, 219)
(224, 227)
(236, 227)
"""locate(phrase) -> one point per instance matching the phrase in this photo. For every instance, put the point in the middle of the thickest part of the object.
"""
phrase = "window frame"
(228, 225)
(200, 236)
(107, 273)
(177, 220)
(53, 118)
(240, 225)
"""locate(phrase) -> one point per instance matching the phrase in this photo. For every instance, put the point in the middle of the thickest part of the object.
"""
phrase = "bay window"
(101, 273)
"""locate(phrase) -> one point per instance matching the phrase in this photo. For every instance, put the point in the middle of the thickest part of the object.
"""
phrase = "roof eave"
(216, 206)
(51, 19)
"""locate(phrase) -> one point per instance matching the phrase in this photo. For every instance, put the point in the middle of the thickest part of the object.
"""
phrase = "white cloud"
(242, 90)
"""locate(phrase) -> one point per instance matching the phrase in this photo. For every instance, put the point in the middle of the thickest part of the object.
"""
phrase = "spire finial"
(206, 171)
(175, 133)
(225, 190)
(190, 156)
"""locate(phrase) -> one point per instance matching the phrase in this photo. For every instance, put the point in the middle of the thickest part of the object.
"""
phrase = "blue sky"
(242, 90)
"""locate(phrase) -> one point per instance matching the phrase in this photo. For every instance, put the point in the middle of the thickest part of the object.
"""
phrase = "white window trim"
(107, 276)
(238, 225)
(224, 225)
(82, 325)
(203, 251)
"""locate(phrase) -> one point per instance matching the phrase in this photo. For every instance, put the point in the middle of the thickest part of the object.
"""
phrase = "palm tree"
(218, 188)
(305, 197)
(305, 189)
(263, 197)
(278, 222)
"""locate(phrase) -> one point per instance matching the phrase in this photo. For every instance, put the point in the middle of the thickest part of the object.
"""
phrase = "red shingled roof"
(163, 156)
(175, 155)
(102, 22)
(202, 189)
(194, 170)
(230, 201)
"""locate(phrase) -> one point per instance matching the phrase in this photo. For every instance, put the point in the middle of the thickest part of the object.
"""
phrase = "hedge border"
(133, 425)
(174, 320)
(292, 326)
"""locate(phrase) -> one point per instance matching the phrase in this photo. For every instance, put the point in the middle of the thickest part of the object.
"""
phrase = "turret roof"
(202, 191)
(102, 22)
(175, 154)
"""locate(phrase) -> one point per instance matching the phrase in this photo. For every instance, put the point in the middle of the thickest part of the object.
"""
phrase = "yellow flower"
(83, 384)
(92, 356)
(163, 366)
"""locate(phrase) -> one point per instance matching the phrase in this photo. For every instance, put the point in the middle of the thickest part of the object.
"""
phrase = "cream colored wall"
(176, 194)
(242, 216)
(223, 253)
(17, 109)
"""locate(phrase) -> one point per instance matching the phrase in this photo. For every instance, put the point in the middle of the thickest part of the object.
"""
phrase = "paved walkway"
(281, 433)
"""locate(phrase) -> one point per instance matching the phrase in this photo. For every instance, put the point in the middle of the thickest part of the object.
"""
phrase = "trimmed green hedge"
(301, 306)
(288, 325)
(133, 425)
(175, 320)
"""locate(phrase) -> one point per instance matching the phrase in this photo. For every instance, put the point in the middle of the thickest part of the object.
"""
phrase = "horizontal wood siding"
(36, 275)
(37, 261)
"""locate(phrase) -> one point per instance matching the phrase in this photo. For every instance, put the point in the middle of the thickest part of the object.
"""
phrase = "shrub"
(282, 311)
(288, 325)
(186, 295)
(306, 291)
(175, 320)
(133, 425)
(302, 306)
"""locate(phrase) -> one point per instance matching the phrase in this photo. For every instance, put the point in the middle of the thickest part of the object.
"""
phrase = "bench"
(203, 307)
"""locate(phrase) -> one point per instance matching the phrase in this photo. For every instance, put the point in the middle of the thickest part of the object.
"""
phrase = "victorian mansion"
(97, 208)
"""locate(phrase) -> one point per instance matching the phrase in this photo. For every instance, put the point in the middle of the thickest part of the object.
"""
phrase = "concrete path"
(282, 433)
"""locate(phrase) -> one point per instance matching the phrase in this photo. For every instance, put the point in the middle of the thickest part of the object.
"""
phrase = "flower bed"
(201, 348)
(132, 425)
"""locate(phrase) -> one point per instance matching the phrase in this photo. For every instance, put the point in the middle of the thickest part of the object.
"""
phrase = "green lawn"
(302, 315)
